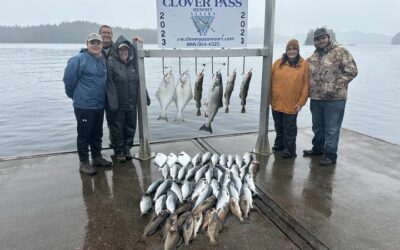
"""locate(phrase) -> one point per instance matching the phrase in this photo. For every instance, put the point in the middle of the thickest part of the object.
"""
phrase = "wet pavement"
(46, 204)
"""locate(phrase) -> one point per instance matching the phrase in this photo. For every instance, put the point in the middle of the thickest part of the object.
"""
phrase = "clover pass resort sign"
(202, 23)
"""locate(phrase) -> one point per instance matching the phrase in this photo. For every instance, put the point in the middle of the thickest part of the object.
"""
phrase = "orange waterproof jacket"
(289, 86)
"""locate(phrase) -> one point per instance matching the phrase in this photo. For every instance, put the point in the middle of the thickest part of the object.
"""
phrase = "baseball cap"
(94, 36)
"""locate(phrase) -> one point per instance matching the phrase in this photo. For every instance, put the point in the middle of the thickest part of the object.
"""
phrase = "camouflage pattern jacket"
(330, 72)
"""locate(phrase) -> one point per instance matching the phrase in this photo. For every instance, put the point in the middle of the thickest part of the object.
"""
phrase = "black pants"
(90, 132)
(122, 126)
(286, 131)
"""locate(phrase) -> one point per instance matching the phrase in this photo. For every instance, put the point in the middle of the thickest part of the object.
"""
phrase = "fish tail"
(161, 117)
(205, 128)
(179, 117)
(198, 112)
(243, 109)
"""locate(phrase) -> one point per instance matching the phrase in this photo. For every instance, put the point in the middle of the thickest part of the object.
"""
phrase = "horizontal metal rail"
(203, 52)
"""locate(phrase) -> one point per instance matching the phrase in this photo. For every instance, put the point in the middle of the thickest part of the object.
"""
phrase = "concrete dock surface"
(45, 203)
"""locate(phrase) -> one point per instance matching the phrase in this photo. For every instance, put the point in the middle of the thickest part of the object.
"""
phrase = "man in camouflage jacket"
(331, 69)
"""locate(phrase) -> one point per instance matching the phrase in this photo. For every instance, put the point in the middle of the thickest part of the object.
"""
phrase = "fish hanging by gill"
(165, 94)
(230, 83)
(183, 94)
(244, 89)
(214, 101)
(198, 91)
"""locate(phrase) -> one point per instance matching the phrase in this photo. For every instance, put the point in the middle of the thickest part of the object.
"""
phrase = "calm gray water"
(37, 117)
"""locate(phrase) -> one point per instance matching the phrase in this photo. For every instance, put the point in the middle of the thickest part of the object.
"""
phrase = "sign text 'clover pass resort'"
(202, 23)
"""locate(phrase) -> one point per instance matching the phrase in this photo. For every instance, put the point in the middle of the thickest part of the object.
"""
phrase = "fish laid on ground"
(192, 171)
(235, 209)
(205, 158)
(230, 161)
(184, 159)
(165, 94)
(244, 89)
(160, 159)
(165, 171)
(155, 223)
(198, 221)
(234, 194)
(222, 160)
(207, 218)
(214, 159)
(183, 94)
(214, 102)
(244, 205)
(172, 201)
(183, 208)
(198, 91)
(177, 190)
(160, 204)
(145, 204)
(230, 83)
(200, 173)
(182, 173)
(223, 197)
(223, 212)
(249, 180)
(247, 192)
(187, 190)
(205, 205)
(187, 229)
(247, 158)
(253, 169)
(162, 189)
(153, 187)
(171, 159)
(196, 159)
(172, 240)
(169, 223)
(173, 172)
(214, 227)
(207, 192)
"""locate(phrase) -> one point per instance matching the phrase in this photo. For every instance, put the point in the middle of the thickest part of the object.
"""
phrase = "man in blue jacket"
(85, 80)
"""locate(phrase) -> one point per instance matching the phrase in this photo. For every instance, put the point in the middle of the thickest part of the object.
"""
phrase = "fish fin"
(205, 128)
(198, 112)
(243, 109)
(162, 117)
(227, 109)
(179, 117)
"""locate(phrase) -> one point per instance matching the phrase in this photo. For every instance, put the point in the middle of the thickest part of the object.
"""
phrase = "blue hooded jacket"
(85, 80)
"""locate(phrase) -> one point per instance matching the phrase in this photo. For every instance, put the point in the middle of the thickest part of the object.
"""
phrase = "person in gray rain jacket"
(331, 69)
(122, 98)
(85, 83)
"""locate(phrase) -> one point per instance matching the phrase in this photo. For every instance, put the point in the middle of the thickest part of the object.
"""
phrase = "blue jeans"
(327, 117)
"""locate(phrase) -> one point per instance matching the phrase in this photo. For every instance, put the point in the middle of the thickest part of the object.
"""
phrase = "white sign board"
(202, 23)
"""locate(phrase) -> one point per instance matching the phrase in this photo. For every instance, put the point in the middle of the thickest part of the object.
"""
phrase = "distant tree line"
(66, 32)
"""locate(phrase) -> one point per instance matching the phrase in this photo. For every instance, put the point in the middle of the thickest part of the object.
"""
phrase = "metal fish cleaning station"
(45, 203)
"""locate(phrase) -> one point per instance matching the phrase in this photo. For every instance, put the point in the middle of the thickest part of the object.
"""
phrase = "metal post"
(262, 145)
(144, 148)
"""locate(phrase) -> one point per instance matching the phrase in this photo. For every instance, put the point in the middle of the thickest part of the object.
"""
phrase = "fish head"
(168, 77)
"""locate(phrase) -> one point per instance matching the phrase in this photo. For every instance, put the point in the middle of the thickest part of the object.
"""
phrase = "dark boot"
(128, 155)
(86, 168)
(311, 152)
(120, 158)
(101, 162)
(325, 161)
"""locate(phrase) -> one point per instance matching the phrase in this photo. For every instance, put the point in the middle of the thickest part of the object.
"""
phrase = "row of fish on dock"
(182, 93)
(198, 193)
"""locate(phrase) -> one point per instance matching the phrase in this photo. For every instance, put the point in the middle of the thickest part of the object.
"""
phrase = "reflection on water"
(37, 117)
(317, 191)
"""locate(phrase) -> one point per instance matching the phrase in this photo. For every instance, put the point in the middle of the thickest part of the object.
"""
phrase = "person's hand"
(137, 39)
(297, 107)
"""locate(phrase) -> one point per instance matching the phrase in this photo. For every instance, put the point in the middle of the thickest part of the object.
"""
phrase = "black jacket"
(123, 80)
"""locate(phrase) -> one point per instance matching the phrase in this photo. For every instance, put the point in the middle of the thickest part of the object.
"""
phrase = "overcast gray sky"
(292, 16)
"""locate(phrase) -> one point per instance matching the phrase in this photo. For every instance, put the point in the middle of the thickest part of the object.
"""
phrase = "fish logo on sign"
(203, 23)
